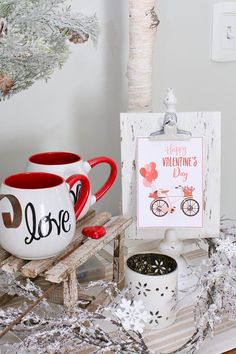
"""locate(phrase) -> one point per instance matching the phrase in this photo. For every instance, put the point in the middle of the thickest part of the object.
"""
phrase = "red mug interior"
(54, 158)
(33, 180)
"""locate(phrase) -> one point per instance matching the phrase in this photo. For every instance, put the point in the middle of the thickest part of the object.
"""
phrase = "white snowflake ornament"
(132, 315)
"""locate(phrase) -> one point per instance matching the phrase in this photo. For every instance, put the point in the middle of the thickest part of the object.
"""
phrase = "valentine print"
(170, 183)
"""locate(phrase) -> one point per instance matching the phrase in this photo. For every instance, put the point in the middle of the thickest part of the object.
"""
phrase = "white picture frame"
(203, 124)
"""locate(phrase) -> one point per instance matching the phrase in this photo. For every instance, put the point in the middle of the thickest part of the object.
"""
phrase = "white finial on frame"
(170, 101)
(170, 130)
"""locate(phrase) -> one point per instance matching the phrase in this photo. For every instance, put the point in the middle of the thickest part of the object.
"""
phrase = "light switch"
(224, 32)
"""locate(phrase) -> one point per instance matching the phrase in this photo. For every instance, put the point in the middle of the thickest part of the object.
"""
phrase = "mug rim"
(152, 275)
(54, 158)
(42, 180)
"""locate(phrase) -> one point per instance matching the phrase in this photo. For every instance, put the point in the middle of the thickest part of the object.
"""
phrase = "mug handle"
(84, 192)
(113, 173)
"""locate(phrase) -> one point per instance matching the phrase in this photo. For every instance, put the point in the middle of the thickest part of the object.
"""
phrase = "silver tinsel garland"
(34, 40)
(50, 332)
(216, 299)
(45, 333)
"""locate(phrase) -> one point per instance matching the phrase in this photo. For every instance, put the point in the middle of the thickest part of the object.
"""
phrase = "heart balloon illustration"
(143, 172)
(149, 174)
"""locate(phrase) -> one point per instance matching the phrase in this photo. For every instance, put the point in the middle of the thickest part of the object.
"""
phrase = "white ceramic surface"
(158, 292)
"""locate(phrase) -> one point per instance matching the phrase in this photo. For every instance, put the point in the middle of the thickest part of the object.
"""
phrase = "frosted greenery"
(52, 331)
(34, 40)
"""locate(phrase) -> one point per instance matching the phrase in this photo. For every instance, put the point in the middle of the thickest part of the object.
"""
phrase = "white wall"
(78, 109)
(182, 60)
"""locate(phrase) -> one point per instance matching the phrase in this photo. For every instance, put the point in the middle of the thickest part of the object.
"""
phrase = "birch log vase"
(143, 22)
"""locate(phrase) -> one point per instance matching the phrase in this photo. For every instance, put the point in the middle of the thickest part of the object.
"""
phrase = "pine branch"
(34, 40)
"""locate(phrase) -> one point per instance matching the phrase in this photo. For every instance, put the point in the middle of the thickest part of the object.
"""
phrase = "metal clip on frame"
(170, 130)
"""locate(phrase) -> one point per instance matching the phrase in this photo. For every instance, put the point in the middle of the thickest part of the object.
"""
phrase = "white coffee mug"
(66, 164)
(152, 278)
(37, 216)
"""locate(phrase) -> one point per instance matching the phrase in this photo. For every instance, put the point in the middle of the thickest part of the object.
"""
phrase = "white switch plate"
(224, 32)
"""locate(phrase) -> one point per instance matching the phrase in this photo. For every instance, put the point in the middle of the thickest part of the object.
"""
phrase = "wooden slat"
(12, 264)
(119, 261)
(70, 291)
(60, 271)
(106, 255)
(102, 299)
(57, 295)
(3, 254)
(34, 268)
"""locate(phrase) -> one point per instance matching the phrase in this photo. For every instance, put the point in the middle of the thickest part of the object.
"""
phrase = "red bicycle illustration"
(162, 203)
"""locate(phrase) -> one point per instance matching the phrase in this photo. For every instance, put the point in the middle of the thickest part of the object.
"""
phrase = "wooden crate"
(61, 269)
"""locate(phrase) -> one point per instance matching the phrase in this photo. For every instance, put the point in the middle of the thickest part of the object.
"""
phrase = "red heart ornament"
(94, 232)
